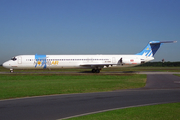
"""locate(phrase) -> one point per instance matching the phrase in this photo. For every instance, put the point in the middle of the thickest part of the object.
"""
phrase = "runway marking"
(115, 109)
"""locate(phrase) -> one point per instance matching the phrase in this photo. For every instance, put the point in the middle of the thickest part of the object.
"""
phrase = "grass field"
(153, 112)
(22, 85)
(17, 85)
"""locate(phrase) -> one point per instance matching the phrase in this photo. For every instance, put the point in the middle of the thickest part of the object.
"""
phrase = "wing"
(99, 66)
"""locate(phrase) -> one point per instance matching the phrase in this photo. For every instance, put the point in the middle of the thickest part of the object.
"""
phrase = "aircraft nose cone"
(5, 65)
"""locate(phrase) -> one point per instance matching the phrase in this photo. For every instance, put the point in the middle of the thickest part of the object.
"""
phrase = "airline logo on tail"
(152, 47)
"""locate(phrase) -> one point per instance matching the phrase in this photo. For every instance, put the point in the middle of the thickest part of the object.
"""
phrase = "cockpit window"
(13, 58)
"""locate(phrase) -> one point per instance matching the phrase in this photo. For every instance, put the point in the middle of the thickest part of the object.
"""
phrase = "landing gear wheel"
(11, 71)
(96, 70)
(93, 70)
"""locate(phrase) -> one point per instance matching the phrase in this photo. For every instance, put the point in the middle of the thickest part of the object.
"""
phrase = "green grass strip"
(153, 112)
(15, 85)
(177, 75)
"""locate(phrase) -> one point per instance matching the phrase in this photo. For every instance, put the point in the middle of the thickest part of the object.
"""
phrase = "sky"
(29, 27)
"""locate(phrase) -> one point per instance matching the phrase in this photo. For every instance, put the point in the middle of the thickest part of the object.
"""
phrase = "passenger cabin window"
(13, 58)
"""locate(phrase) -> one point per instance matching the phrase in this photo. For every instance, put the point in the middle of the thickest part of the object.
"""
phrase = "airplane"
(94, 62)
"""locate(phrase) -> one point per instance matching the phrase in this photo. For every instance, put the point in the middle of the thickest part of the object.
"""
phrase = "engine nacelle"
(128, 61)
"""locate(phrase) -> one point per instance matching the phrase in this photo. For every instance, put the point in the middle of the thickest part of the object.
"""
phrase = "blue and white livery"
(94, 62)
(152, 48)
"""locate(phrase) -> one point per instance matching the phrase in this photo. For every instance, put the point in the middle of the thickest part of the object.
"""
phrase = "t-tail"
(152, 47)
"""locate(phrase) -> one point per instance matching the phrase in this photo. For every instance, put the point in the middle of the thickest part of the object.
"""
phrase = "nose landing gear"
(11, 70)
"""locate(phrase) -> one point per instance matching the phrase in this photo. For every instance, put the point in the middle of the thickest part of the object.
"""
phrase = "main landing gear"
(96, 70)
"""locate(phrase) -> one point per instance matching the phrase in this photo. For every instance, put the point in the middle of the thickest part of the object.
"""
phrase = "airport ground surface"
(161, 87)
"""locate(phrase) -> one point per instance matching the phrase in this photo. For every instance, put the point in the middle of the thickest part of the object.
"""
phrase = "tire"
(97, 70)
(93, 70)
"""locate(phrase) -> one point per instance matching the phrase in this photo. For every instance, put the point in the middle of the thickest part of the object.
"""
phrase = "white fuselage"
(74, 61)
(94, 62)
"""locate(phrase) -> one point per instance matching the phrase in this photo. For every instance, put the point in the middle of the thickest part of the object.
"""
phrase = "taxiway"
(160, 88)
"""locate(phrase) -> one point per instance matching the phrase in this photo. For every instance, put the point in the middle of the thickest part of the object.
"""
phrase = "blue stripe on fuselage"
(40, 60)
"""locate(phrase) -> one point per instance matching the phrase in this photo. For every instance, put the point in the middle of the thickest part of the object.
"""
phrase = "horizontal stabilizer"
(157, 42)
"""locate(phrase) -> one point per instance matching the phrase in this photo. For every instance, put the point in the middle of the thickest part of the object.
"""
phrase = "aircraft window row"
(66, 59)
(73, 59)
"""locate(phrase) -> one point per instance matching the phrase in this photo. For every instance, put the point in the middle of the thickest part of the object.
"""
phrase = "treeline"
(160, 64)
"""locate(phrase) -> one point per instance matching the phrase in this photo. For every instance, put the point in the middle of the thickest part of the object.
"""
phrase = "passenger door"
(19, 60)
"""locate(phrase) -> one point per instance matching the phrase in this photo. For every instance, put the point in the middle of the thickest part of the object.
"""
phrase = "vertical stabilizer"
(152, 48)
